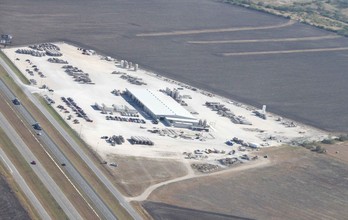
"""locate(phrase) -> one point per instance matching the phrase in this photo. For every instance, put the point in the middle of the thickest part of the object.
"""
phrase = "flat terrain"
(338, 150)
(143, 172)
(65, 147)
(299, 184)
(169, 142)
(306, 84)
(10, 208)
(331, 15)
(161, 211)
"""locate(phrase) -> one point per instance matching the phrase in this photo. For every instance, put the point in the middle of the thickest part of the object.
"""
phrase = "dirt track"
(299, 185)
(142, 173)
(264, 40)
(286, 51)
(192, 175)
(219, 30)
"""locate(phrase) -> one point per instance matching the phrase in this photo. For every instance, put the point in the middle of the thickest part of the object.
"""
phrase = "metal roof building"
(163, 107)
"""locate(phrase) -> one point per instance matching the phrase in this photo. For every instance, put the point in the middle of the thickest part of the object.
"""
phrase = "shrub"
(327, 141)
(320, 149)
(343, 137)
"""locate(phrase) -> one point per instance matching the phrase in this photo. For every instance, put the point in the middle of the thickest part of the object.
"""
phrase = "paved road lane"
(24, 186)
(74, 145)
(40, 171)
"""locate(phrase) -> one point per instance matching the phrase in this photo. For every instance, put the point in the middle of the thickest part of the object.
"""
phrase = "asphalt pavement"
(58, 154)
(60, 157)
(40, 171)
(23, 185)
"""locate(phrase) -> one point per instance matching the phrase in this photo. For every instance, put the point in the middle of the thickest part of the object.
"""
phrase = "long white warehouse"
(162, 107)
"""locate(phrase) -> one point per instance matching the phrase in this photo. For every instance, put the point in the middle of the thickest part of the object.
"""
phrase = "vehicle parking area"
(88, 90)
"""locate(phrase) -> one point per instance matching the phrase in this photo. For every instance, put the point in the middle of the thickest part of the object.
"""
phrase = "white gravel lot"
(99, 70)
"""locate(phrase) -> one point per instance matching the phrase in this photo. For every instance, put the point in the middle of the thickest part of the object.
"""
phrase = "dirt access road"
(298, 184)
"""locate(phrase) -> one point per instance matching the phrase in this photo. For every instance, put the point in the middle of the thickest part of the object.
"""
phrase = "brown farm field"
(134, 174)
(283, 81)
(339, 151)
(298, 184)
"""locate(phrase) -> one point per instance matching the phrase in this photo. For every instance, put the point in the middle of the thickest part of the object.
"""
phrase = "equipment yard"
(91, 95)
(150, 131)
(170, 110)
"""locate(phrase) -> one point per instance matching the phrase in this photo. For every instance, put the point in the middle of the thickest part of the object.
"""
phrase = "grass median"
(65, 147)
(14, 68)
(44, 196)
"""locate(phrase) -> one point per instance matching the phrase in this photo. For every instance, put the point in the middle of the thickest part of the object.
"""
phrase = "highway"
(40, 171)
(59, 156)
(23, 185)
(72, 171)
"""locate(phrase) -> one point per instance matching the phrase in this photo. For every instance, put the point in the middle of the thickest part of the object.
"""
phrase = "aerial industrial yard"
(305, 85)
(119, 108)
(148, 130)
(169, 110)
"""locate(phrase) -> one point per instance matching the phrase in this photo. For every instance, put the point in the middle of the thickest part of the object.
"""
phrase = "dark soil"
(10, 208)
(308, 87)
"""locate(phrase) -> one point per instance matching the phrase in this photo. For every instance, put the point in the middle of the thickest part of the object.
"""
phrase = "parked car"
(113, 164)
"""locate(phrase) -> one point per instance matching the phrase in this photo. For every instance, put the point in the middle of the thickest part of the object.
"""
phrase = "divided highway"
(94, 197)
(59, 156)
(22, 184)
(40, 171)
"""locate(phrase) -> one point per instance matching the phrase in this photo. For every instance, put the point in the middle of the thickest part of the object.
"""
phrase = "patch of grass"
(319, 149)
(18, 192)
(308, 145)
(59, 119)
(96, 184)
(71, 154)
(343, 137)
(14, 68)
(328, 15)
(328, 141)
(31, 178)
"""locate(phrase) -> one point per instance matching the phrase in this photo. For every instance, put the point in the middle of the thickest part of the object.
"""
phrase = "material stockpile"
(229, 161)
(205, 167)
(44, 46)
(56, 60)
(77, 74)
(31, 52)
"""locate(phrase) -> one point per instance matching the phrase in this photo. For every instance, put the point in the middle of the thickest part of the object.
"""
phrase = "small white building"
(162, 107)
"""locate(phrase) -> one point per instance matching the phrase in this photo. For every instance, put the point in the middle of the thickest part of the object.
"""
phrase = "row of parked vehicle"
(118, 118)
(114, 139)
(79, 111)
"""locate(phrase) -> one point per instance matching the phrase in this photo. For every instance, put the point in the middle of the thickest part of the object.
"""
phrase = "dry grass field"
(299, 184)
(305, 86)
(134, 174)
(338, 150)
